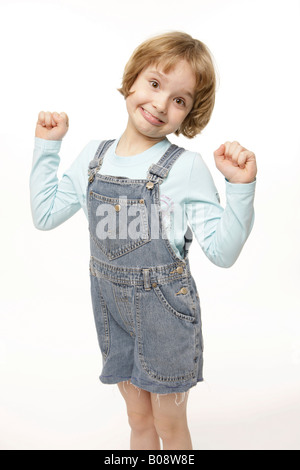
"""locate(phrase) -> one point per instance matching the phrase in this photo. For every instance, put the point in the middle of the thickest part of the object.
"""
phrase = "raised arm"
(52, 201)
(222, 232)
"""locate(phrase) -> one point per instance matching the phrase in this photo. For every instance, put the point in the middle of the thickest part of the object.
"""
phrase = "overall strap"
(159, 171)
(96, 163)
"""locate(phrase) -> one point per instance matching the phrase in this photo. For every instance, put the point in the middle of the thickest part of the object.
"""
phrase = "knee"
(168, 429)
(140, 422)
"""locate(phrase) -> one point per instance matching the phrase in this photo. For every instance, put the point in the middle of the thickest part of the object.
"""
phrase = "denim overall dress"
(144, 298)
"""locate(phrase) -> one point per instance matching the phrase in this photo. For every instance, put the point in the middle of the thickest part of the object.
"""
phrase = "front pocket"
(167, 339)
(117, 225)
(176, 302)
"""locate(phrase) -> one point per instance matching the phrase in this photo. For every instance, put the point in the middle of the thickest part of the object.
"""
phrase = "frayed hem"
(179, 396)
(128, 382)
(161, 389)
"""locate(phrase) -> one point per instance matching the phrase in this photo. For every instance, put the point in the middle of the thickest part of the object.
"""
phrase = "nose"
(160, 104)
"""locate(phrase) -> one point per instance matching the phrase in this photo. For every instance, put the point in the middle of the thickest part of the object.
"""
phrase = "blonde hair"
(167, 49)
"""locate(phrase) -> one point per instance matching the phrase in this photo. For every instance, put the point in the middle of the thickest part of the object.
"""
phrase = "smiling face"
(160, 101)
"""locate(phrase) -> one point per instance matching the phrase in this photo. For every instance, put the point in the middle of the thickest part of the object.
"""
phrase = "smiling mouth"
(150, 118)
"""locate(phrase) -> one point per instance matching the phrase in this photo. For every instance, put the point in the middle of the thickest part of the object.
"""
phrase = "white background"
(69, 56)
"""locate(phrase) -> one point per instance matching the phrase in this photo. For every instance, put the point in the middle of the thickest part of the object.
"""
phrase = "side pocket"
(185, 312)
(100, 316)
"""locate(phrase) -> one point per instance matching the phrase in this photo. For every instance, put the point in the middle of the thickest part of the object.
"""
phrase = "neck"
(133, 143)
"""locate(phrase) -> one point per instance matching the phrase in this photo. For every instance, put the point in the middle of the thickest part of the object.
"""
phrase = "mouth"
(151, 118)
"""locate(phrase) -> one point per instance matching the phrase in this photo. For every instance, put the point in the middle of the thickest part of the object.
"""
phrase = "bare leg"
(140, 417)
(170, 420)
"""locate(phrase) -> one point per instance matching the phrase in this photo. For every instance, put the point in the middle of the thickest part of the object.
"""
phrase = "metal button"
(149, 185)
(118, 207)
(179, 269)
(142, 201)
(154, 284)
(183, 291)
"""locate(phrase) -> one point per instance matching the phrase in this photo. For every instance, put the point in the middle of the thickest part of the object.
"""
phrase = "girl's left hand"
(236, 163)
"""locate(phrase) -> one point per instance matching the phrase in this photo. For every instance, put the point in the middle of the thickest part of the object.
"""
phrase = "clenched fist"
(236, 163)
(52, 126)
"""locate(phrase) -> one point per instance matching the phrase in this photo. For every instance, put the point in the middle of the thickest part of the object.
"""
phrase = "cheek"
(130, 103)
(135, 100)
(179, 116)
(187, 112)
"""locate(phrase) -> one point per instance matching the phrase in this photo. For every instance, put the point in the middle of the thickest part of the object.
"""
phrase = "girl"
(142, 196)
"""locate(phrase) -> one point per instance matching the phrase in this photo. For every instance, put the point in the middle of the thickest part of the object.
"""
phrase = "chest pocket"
(117, 225)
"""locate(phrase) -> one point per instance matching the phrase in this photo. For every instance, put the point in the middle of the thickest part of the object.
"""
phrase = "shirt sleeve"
(220, 232)
(54, 201)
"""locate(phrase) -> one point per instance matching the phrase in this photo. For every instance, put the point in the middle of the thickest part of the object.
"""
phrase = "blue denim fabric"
(145, 300)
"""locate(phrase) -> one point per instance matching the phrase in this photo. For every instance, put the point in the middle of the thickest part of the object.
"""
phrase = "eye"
(179, 101)
(154, 84)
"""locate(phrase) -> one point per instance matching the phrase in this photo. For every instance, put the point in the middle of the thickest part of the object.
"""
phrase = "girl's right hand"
(52, 126)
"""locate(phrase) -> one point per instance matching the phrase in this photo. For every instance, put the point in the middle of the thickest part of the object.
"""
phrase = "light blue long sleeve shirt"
(188, 196)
